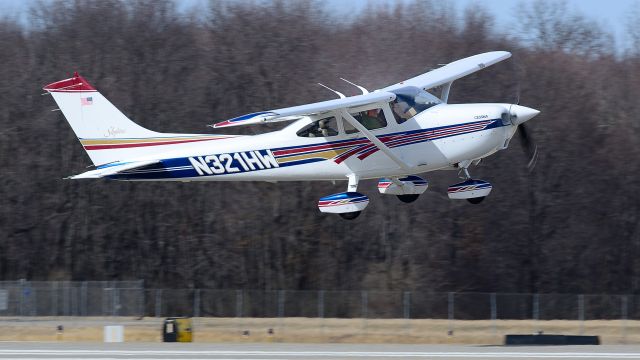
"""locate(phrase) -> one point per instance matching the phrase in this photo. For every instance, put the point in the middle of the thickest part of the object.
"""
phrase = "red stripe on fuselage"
(418, 137)
(318, 147)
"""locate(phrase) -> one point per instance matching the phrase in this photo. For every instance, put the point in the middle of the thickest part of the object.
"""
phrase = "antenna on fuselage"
(364, 91)
(342, 96)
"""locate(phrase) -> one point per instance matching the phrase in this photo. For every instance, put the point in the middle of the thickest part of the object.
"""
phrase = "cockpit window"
(320, 128)
(370, 119)
(405, 107)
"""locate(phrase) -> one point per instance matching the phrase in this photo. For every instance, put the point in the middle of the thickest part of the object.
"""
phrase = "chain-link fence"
(71, 298)
(131, 298)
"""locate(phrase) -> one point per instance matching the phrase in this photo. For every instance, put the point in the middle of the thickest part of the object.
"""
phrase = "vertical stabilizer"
(92, 116)
(106, 133)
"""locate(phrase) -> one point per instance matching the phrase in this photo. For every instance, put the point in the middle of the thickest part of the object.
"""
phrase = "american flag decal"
(86, 101)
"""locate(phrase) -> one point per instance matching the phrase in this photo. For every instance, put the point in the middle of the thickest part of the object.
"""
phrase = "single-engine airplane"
(390, 134)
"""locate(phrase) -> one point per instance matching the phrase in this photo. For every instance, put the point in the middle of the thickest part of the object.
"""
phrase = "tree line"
(570, 225)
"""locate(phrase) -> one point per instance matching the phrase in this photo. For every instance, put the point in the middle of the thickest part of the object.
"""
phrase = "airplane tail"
(104, 131)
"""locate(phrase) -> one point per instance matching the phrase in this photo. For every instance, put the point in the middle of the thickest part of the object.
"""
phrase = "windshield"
(411, 101)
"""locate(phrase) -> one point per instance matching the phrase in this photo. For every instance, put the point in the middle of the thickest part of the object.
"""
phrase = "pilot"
(402, 110)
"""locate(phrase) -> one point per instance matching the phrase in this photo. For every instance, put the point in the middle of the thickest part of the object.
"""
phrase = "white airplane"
(390, 134)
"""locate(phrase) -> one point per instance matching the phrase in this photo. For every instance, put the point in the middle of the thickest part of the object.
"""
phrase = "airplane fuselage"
(437, 138)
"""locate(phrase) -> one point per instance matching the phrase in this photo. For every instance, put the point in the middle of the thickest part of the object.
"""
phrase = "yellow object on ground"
(177, 330)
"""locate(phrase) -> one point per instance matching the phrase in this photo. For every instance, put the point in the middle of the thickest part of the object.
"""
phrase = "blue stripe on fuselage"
(183, 168)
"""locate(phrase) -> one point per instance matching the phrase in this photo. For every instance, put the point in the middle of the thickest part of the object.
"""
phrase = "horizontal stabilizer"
(113, 169)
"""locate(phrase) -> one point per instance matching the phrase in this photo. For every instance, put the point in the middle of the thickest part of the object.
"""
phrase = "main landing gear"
(477, 200)
(408, 198)
(347, 204)
(350, 215)
(350, 204)
(408, 189)
(474, 191)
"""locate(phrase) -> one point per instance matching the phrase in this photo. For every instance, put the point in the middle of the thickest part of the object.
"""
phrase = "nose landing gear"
(472, 190)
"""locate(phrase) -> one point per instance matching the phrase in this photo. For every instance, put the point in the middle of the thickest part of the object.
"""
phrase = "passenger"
(325, 129)
(370, 120)
(322, 126)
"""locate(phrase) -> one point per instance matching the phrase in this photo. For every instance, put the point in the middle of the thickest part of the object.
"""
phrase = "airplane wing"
(431, 79)
(452, 71)
(296, 112)
(113, 169)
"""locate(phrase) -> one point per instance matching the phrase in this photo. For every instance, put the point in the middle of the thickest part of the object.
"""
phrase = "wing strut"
(384, 148)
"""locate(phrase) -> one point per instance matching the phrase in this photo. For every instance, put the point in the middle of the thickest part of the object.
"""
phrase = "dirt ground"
(314, 330)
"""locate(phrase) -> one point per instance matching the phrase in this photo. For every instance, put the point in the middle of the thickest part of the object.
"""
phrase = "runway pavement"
(98, 351)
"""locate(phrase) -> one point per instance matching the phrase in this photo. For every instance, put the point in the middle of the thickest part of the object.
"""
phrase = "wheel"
(477, 200)
(350, 215)
(408, 198)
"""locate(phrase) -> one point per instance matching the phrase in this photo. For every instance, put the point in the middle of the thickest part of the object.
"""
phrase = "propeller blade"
(528, 146)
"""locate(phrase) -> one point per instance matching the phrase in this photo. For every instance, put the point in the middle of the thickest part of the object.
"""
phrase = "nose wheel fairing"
(469, 189)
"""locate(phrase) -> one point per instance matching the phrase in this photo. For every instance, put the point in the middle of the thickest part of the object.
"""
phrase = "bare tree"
(550, 230)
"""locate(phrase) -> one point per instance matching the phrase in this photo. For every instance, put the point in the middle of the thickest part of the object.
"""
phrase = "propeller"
(529, 147)
(526, 140)
(518, 115)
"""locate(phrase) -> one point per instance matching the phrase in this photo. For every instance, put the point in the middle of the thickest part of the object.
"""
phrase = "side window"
(320, 128)
(370, 119)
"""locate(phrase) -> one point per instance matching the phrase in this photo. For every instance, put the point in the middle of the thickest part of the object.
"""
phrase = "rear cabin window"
(370, 119)
(320, 128)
